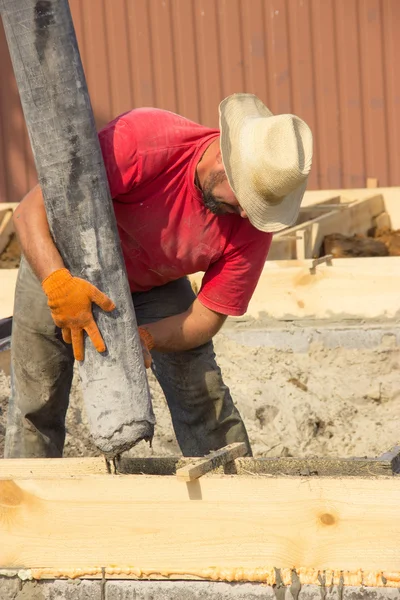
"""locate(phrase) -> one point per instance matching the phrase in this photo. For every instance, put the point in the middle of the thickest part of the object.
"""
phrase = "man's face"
(217, 194)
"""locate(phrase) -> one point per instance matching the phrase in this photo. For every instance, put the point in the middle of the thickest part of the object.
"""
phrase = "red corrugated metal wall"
(332, 62)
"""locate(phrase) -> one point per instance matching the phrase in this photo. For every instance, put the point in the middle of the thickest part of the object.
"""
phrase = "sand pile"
(325, 402)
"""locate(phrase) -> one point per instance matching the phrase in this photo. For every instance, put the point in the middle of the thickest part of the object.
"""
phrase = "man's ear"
(218, 157)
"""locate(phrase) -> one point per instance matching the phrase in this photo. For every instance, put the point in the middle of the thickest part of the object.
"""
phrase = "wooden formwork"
(287, 289)
(336, 519)
(328, 520)
(291, 287)
(334, 215)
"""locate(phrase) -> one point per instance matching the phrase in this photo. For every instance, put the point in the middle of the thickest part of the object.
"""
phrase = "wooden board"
(353, 288)
(8, 277)
(220, 527)
(8, 280)
(219, 458)
(391, 197)
(6, 227)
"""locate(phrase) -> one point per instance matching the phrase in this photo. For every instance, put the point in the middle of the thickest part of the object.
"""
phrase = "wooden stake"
(372, 182)
(6, 228)
(216, 459)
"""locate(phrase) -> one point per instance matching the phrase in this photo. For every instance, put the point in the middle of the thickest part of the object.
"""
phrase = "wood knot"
(10, 494)
(327, 519)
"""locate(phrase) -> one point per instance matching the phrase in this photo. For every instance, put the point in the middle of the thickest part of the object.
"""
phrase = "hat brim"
(233, 111)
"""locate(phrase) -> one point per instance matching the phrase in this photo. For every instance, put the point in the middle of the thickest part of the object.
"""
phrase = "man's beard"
(210, 200)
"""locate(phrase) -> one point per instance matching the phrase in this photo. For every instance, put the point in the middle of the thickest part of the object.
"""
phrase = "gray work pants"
(203, 414)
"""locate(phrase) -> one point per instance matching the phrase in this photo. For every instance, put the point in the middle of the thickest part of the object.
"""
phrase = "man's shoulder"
(157, 128)
(149, 114)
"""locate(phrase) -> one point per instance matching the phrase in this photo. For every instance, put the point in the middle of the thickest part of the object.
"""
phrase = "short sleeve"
(119, 148)
(229, 283)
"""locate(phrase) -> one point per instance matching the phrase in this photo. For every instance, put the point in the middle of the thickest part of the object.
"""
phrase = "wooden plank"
(6, 228)
(306, 225)
(222, 527)
(353, 287)
(8, 205)
(391, 197)
(27, 468)
(8, 280)
(382, 221)
(325, 205)
(318, 208)
(301, 244)
(372, 182)
(216, 459)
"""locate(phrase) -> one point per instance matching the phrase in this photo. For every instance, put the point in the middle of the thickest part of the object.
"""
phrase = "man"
(186, 199)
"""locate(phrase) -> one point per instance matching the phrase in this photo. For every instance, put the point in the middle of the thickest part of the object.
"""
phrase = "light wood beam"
(220, 527)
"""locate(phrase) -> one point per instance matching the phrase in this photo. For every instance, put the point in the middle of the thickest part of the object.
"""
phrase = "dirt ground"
(325, 402)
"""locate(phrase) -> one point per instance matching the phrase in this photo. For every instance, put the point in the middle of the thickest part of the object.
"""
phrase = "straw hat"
(267, 159)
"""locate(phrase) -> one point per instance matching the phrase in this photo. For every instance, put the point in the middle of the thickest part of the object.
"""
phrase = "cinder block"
(61, 590)
(186, 590)
(196, 590)
(9, 588)
(365, 593)
(317, 592)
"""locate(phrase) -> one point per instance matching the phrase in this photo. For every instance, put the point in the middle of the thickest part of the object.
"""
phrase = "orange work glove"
(70, 301)
(147, 342)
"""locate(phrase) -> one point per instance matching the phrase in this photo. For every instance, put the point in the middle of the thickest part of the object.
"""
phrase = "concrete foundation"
(298, 336)
(15, 589)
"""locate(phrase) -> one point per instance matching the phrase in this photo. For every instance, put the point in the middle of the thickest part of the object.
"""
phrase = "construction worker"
(186, 198)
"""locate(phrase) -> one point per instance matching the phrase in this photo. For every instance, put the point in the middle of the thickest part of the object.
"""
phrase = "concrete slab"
(298, 337)
(14, 589)
(198, 590)
(186, 590)
(357, 593)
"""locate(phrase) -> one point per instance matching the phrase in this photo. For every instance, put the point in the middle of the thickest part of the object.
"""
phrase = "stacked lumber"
(336, 215)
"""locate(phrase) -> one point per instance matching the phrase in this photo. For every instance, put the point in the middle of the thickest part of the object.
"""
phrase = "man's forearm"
(187, 330)
(30, 222)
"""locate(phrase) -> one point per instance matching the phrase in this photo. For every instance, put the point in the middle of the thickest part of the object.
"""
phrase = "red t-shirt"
(166, 231)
